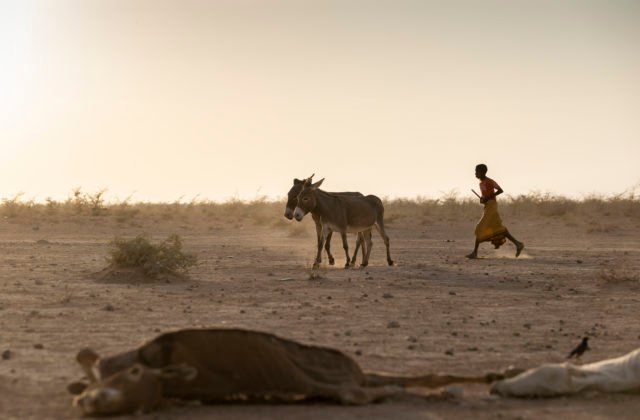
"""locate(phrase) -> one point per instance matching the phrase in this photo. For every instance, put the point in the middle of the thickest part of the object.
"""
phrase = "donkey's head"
(306, 199)
(132, 390)
(292, 197)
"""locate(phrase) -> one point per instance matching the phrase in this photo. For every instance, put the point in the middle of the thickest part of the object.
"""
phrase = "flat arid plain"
(434, 311)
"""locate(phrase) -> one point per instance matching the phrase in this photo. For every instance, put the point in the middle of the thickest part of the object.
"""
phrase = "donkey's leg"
(345, 245)
(320, 230)
(366, 235)
(365, 250)
(327, 247)
(385, 238)
(358, 244)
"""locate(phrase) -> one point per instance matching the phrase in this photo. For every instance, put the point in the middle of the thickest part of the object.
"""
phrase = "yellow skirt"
(490, 227)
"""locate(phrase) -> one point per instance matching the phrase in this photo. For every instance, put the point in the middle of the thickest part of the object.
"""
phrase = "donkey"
(292, 203)
(227, 365)
(342, 213)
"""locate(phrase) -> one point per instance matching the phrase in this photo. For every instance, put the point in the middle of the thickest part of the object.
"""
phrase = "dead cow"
(220, 365)
(621, 374)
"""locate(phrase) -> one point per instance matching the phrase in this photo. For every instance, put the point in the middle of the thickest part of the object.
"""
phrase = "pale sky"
(218, 99)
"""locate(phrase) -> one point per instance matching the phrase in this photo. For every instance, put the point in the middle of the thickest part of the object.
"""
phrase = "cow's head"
(292, 197)
(306, 199)
(133, 390)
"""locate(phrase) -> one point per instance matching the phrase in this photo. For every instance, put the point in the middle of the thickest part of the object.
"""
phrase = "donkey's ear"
(182, 371)
(317, 184)
(76, 388)
(297, 181)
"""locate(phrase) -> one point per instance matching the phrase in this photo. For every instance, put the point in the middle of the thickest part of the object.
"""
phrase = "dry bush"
(14, 207)
(154, 260)
(264, 212)
(449, 205)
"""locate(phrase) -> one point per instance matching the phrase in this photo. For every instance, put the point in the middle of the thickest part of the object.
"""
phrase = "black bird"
(582, 347)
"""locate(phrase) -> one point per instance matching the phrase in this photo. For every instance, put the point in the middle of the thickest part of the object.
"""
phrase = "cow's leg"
(354, 394)
(345, 245)
(430, 381)
(366, 395)
(385, 238)
(367, 237)
(327, 247)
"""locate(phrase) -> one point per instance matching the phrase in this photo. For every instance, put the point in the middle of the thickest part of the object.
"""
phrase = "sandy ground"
(434, 311)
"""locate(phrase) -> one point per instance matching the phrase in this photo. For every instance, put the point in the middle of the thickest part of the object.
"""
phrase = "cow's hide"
(621, 374)
(219, 365)
(238, 362)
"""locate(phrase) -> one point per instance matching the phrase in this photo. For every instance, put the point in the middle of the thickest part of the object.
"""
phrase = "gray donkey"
(292, 203)
(342, 213)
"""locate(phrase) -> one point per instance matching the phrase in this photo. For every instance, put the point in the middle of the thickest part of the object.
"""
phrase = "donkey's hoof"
(364, 264)
(316, 265)
(390, 262)
(347, 265)
(332, 261)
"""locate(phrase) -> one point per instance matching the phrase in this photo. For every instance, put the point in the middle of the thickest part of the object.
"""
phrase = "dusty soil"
(434, 311)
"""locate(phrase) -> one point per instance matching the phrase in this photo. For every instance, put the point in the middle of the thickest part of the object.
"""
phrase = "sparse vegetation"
(265, 212)
(154, 260)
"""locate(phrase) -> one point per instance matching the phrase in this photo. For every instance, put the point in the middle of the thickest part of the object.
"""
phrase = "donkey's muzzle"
(288, 213)
(298, 214)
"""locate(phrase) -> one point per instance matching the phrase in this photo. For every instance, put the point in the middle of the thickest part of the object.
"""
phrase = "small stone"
(393, 324)
(449, 352)
(7, 354)
(109, 307)
(38, 346)
(387, 296)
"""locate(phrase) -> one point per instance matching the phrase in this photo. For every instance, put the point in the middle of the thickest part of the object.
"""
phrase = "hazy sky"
(170, 98)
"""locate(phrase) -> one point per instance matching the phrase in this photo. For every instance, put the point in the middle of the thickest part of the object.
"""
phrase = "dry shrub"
(154, 260)
(448, 205)
(261, 211)
(14, 207)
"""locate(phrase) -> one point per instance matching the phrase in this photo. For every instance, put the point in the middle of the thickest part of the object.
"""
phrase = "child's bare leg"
(519, 245)
(474, 254)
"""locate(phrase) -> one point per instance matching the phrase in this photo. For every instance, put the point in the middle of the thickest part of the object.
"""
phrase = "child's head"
(481, 170)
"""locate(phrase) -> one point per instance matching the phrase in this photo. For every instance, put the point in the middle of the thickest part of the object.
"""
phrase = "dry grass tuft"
(155, 260)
